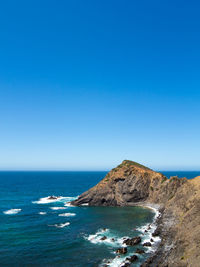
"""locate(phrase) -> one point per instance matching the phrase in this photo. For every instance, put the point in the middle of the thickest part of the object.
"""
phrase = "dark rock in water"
(145, 231)
(103, 238)
(157, 232)
(149, 227)
(132, 258)
(113, 239)
(152, 240)
(104, 229)
(132, 241)
(139, 251)
(121, 250)
(52, 197)
(147, 244)
(126, 264)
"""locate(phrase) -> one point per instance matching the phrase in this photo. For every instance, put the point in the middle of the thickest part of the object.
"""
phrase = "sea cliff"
(178, 200)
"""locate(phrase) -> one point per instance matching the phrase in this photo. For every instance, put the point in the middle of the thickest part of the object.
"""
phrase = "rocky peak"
(130, 163)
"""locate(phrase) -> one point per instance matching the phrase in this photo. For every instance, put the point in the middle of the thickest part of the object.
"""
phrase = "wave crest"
(67, 214)
(12, 211)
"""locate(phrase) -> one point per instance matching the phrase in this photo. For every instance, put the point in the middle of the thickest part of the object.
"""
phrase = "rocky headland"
(178, 201)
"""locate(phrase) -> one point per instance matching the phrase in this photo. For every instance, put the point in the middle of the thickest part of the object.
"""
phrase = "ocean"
(36, 231)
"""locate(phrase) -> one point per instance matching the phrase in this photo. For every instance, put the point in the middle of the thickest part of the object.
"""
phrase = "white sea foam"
(61, 225)
(50, 199)
(12, 211)
(42, 213)
(68, 204)
(118, 261)
(111, 238)
(147, 230)
(57, 208)
(85, 204)
(67, 214)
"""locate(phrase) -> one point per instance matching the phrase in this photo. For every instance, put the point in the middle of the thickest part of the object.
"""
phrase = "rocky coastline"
(176, 202)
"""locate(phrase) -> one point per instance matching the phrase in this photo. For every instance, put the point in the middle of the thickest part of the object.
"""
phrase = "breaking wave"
(42, 213)
(67, 214)
(147, 230)
(111, 239)
(52, 199)
(57, 208)
(12, 211)
(61, 225)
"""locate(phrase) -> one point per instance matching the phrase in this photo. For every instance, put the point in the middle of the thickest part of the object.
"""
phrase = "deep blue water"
(28, 238)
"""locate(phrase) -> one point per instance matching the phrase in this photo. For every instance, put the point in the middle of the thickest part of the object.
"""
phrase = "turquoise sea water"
(34, 231)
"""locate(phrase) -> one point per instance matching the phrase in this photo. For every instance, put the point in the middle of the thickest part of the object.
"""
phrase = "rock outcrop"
(132, 184)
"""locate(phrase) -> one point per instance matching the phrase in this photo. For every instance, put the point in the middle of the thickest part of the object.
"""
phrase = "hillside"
(131, 183)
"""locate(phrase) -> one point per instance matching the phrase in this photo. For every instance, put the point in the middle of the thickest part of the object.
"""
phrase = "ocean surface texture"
(36, 231)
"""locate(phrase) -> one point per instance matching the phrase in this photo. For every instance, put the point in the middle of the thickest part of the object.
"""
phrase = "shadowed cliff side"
(179, 199)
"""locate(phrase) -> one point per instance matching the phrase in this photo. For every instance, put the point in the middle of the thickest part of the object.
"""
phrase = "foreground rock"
(132, 241)
(132, 184)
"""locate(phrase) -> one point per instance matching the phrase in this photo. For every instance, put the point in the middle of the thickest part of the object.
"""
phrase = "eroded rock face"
(128, 183)
(179, 199)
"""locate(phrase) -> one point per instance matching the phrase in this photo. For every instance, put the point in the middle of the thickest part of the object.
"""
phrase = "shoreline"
(157, 222)
(151, 228)
(162, 230)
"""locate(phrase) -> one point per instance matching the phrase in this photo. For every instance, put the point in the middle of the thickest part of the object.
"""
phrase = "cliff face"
(130, 183)
(179, 199)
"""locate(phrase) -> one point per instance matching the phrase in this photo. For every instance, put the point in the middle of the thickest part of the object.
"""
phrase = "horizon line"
(90, 170)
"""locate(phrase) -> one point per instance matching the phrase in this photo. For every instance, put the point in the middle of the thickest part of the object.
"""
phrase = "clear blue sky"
(86, 84)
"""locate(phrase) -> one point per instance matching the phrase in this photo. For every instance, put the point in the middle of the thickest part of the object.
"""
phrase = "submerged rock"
(121, 250)
(103, 238)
